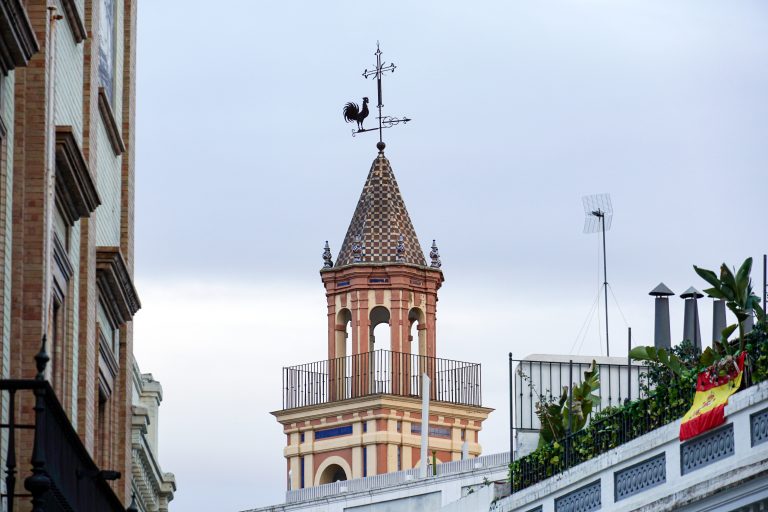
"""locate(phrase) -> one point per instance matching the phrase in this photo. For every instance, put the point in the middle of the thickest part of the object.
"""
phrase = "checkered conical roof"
(379, 221)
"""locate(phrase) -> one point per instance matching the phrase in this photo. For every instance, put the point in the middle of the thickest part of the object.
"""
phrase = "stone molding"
(400, 403)
(584, 499)
(115, 284)
(759, 427)
(401, 275)
(110, 123)
(75, 190)
(639, 477)
(706, 449)
(17, 38)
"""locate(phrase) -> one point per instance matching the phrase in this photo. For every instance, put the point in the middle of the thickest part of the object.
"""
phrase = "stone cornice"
(17, 38)
(113, 130)
(413, 404)
(115, 284)
(357, 277)
(75, 21)
(75, 189)
(164, 483)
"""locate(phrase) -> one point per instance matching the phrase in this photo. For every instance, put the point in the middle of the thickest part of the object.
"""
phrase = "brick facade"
(53, 281)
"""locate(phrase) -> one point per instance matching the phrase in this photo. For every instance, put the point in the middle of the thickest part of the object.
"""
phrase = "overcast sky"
(245, 167)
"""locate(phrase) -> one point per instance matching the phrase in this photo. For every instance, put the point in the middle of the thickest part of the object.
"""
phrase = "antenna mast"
(599, 214)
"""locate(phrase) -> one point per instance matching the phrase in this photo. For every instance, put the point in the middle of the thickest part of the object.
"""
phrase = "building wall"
(373, 437)
(59, 87)
(152, 487)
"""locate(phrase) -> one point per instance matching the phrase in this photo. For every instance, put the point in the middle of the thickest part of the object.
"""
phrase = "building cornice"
(367, 276)
(75, 189)
(413, 404)
(17, 38)
(115, 284)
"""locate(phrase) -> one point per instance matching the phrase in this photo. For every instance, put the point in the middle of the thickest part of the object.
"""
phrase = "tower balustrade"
(380, 372)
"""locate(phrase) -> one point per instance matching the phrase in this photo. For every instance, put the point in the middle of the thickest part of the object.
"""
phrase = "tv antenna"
(599, 213)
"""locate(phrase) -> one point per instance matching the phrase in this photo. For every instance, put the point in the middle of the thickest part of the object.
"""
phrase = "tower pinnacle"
(379, 222)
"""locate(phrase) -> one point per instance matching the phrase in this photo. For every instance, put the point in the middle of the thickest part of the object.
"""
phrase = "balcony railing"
(380, 372)
(64, 476)
(537, 381)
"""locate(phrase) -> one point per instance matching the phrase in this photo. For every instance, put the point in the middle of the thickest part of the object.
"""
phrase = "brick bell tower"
(358, 413)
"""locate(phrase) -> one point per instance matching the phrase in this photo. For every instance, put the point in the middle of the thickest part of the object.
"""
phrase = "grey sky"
(245, 167)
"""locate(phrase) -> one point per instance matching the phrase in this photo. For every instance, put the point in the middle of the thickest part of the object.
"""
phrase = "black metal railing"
(537, 380)
(603, 434)
(64, 476)
(380, 372)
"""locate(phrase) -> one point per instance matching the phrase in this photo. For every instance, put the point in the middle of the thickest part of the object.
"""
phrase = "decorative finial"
(434, 255)
(400, 249)
(380, 146)
(353, 112)
(327, 261)
(357, 250)
(132, 507)
(41, 360)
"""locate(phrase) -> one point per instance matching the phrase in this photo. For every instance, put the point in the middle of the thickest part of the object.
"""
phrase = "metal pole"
(511, 413)
(424, 425)
(629, 365)
(765, 281)
(605, 287)
(570, 414)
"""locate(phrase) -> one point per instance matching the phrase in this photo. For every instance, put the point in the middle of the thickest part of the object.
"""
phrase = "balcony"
(64, 476)
(381, 372)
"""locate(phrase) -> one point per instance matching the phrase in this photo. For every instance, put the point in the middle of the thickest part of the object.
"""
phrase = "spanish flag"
(712, 392)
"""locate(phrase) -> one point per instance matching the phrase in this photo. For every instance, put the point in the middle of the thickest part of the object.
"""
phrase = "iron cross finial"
(352, 112)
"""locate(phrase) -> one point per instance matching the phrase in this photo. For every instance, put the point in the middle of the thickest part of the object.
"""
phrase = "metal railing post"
(38, 482)
(10, 460)
(629, 365)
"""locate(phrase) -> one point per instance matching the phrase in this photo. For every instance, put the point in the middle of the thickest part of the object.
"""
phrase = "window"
(108, 331)
(61, 229)
(107, 48)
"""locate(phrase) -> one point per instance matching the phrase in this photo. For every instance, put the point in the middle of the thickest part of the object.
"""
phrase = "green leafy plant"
(659, 356)
(556, 417)
(736, 290)
(670, 395)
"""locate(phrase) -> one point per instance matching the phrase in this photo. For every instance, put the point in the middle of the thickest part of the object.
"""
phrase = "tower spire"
(381, 224)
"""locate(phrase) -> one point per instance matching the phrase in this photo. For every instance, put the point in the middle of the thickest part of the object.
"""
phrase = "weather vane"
(353, 112)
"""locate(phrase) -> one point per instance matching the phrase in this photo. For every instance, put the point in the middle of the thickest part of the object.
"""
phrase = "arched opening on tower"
(333, 473)
(380, 330)
(340, 366)
(417, 335)
(343, 338)
(417, 332)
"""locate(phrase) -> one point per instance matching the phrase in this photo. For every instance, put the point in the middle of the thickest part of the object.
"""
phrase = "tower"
(358, 412)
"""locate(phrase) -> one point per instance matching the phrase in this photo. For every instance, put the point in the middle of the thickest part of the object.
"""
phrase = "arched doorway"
(333, 473)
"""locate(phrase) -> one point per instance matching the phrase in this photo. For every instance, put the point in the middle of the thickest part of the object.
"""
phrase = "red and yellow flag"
(712, 392)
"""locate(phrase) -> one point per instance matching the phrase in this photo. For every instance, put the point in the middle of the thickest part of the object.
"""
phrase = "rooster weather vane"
(353, 112)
